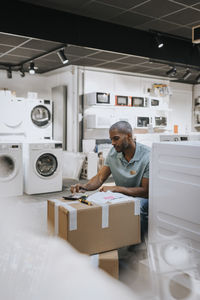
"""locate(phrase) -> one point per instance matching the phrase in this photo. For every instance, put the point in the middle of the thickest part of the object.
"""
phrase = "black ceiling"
(95, 30)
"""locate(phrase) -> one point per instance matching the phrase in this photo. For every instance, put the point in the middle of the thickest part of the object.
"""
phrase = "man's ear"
(129, 136)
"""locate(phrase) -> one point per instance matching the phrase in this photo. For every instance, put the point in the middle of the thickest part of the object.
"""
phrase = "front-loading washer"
(11, 169)
(39, 118)
(42, 166)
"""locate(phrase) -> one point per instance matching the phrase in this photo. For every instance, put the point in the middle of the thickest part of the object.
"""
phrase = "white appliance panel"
(11, 169)
(42, 167)
(175, 191)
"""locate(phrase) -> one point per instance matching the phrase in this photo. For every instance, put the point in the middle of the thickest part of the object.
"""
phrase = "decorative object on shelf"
(159, 89)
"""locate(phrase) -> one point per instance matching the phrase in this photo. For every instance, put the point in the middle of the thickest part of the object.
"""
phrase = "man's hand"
(106, 188)
(77, 188)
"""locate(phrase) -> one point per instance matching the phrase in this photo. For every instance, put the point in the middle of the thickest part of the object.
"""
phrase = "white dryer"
(11, 169)
(39, 118)
(12, 116)
(42, 167)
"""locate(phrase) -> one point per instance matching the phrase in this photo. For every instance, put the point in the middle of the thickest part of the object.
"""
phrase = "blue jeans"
(144, 211)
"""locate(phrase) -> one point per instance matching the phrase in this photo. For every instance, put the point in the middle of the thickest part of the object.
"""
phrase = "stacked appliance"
(42, 166)
(39, 118)
(12, 116)
(30, 121)
(11, 169)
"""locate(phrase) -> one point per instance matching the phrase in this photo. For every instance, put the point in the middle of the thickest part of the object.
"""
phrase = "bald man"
(128, 162)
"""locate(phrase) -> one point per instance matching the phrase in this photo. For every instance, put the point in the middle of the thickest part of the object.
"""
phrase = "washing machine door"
(7, 167)
(40, 116)
(46, 165)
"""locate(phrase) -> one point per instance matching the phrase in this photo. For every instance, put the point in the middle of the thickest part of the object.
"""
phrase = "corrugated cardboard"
(108, 261)
(90, 237)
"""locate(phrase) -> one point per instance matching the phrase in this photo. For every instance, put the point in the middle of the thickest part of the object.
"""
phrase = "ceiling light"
(159, 41)
(22, 72)
(9, 73)
(198, 79)
(32, 68)
(171, 72)
(62, 56)
(187, 74)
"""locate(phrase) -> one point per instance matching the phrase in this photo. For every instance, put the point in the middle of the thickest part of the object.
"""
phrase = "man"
(128, 162)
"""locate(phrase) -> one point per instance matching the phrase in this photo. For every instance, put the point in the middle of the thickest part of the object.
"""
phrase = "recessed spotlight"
(171, 72)
(187, 74)
(62, 56)
(32, 68)
(22, 72)
(159, 41)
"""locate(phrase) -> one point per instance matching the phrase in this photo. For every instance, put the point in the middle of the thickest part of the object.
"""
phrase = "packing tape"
(105, 208)
(135, 200)
(95, 260)
(105, 215)
(72, 214)
(137, 206)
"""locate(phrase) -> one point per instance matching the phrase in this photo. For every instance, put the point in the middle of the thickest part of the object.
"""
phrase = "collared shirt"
(129, 174)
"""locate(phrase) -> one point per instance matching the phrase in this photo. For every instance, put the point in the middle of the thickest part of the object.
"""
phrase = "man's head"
(121, 135)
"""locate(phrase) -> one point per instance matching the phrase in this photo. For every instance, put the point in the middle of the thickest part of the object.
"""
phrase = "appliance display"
(39, 118)
(42, 167)
(122, 100)
(12, 112)
(174, 192)
(179, 138)
(97, 98)
(160, 121)
(139, 101)
(155, 102)
(143, 121)
(11, 169)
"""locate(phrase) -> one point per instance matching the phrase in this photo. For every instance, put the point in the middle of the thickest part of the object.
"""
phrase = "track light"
(171, 72)
(22, 72)
(9, 73)
(159, 41)
(198, 79)
(62, 56)
(187, 74)
(32, 68)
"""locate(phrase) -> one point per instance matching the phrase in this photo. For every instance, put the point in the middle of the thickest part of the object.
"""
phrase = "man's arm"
(141, 191)
(94, 183)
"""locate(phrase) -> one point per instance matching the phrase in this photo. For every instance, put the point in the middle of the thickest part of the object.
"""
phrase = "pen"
(82, 200)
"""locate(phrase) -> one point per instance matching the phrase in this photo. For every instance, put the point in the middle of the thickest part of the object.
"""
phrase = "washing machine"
(39, 118)
(42, 166)
(12, 116)
(11, 169)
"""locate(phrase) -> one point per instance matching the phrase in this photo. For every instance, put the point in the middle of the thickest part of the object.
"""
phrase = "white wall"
(83, 80)
(117, 84)
(181, 106)
(42, 84)
(29, 83)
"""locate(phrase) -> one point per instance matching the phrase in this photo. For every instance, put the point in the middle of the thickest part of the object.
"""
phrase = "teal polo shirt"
(129, 174)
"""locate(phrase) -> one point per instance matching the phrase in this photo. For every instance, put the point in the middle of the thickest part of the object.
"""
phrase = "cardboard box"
(107, 261)
(97, 228)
